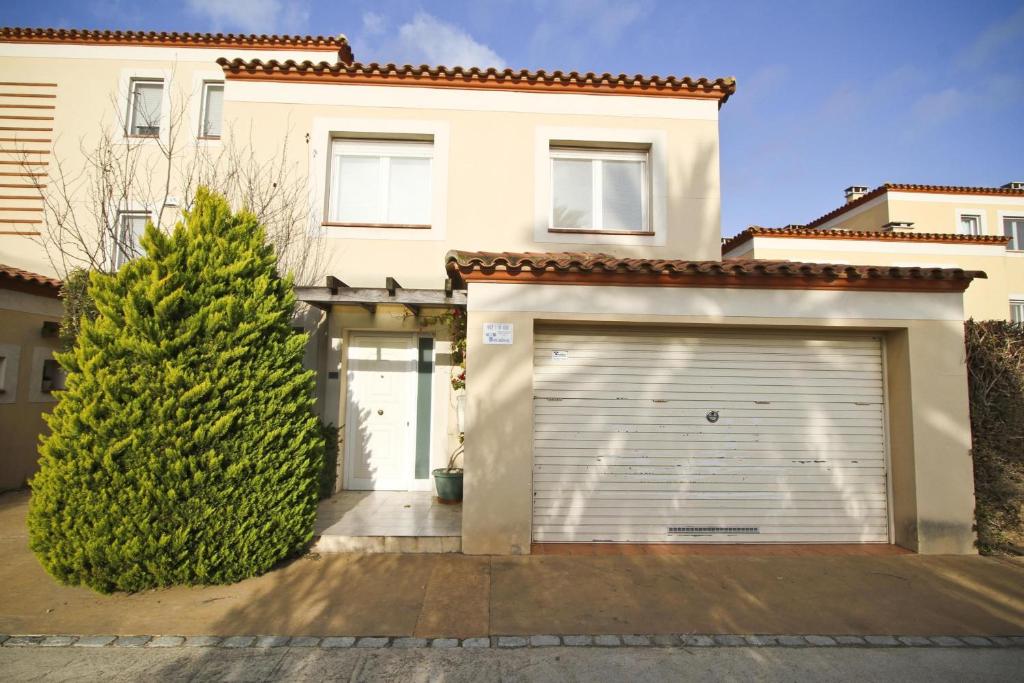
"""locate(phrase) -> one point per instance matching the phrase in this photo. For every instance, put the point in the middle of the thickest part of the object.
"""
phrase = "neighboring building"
(657, 395)
(976, 228)
(30, 314)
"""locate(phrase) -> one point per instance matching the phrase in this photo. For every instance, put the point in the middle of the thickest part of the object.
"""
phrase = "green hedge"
(184, 449)
(995, 362)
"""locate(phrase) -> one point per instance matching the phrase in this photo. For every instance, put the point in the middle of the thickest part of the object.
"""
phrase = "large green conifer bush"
(184, 449)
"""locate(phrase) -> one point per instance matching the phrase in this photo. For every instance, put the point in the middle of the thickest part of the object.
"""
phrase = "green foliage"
(78, 305)
(995, 363)
(329, 469)
(184, 449)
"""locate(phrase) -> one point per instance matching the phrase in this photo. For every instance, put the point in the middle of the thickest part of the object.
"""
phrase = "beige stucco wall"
(22, 404)
(985, 299)
(869, 219)
(90, 103)
(932, 481)
(490, 202)
(940, 213)
(492, 159)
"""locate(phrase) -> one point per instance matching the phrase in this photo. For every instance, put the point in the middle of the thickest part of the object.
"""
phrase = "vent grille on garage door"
(699, 530)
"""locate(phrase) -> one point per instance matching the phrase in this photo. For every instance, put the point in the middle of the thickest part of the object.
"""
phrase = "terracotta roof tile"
(582, 267)
(910, 187)
(337, 44)
(16, 278)
(499, 79)
(804, 232)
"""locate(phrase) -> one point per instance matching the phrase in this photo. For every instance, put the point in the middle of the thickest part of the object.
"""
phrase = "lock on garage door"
(682, 436)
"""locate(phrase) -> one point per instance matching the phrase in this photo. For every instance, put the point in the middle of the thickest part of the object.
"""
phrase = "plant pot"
(448, 485)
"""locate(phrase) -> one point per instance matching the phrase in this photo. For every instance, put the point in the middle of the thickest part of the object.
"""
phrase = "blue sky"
(830, 93)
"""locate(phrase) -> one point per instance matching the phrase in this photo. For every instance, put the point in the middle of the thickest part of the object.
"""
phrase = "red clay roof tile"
(910, 187)
(337, 44)
(499, 79)
(584, 267)
(813, 233)
(16, 278)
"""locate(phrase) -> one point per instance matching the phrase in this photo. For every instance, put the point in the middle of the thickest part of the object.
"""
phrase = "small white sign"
(559, 355)
(497, 333)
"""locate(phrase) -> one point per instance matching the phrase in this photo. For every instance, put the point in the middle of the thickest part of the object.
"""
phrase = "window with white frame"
(145, 104)
(1013, 227)
(127, 233)
(600, 190)
(380, 183)
(211, 121)
(53, 377)
(1017, 310)
(970, 224)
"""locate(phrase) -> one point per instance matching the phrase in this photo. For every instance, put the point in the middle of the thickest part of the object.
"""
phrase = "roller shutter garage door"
(651, 436)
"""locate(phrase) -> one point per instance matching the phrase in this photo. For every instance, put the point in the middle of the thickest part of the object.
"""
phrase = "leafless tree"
(115, 172)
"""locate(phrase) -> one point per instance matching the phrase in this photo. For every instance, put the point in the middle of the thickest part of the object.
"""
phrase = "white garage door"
(645, 436)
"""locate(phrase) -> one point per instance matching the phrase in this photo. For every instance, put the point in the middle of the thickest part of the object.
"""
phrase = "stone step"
(388, 544)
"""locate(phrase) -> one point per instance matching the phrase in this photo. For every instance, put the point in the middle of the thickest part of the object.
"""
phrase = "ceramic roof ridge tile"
(12, 273)
(459, 263)
(338, 43)
(837, 233)
(720, 88)
(914, 187)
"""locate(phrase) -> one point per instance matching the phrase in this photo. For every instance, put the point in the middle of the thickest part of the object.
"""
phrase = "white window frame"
(130, 118)
(122, 122)
(655, 142)
(325, 129)
(11, 354)
(597, 156)
(385, 150)
(117, 256)
(978, 213)
(1014, 216)
(204, 93)
(1015, 301)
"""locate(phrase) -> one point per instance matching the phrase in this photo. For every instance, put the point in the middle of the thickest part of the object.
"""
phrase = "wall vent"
(707, 530)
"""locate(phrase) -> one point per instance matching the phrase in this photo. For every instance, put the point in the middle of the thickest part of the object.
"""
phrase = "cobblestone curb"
(686, 640)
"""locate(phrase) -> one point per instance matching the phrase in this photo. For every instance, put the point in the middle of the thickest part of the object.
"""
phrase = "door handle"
(380, 412)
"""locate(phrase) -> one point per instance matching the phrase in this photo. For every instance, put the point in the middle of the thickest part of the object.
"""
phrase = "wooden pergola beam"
(423, 298)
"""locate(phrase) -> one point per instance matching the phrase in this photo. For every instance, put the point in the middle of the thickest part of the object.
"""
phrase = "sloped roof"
(814, 233)
(597, 268)
(252, 41)
(476, 78)
(23, 280)
(910, 187)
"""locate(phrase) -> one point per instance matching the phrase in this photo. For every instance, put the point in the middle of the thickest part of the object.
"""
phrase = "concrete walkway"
(465, 596)
(552, 664)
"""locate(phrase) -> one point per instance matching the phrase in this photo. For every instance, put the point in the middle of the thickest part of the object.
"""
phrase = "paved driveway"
(464, 596)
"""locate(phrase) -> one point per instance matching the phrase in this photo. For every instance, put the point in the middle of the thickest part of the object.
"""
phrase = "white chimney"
(855, 192)
(898, 226)
(1014, 185)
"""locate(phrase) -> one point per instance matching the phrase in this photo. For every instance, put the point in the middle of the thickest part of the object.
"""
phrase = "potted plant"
(448, 480)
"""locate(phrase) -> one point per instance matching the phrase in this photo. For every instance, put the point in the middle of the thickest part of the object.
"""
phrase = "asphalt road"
(540, 664)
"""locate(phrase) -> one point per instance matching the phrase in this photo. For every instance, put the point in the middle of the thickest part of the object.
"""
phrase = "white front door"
(380, 427)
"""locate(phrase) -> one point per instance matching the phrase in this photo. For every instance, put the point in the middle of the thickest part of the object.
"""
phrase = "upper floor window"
(128, 231)
(145, 102)
(1013, 227)
(1017, 310)
(600, 190)
(970, 224)
(213, 109)
(380, 183)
